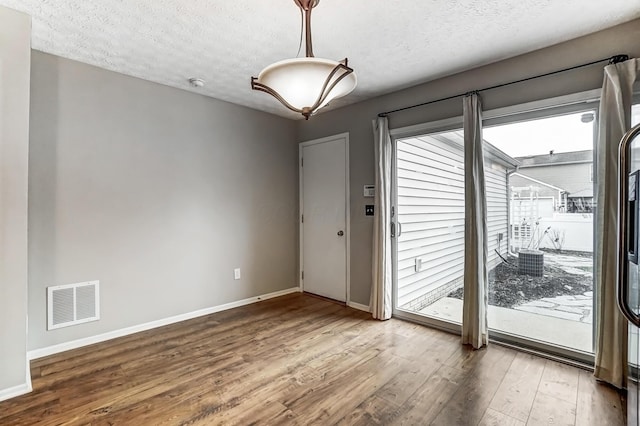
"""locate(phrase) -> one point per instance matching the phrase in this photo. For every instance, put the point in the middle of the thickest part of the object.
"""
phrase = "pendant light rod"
(305, 7)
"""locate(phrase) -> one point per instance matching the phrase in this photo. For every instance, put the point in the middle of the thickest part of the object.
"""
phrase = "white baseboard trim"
(75, 344)
(359, 306)
(28, 373)
(14, 391)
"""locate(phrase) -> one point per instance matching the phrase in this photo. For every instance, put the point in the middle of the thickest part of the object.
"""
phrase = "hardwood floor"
(302, 360)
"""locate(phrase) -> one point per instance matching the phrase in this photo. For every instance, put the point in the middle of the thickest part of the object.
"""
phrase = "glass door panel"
(541, 265)
(430, 226)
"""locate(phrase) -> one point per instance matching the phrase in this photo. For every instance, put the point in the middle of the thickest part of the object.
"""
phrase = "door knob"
(340, 233)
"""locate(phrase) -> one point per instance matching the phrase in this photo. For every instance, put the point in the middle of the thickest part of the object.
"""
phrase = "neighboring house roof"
(538, 182)
(493, 153)
(556, 158)
(585, 193)
(500, 156)
(571, 171)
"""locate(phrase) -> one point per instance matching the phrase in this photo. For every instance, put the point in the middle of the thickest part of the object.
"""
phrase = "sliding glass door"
(429, 230)
(541, 289)
(539, 177)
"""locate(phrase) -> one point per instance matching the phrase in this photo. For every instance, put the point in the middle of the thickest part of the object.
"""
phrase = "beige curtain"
(614, 121)
(474, 310)
(381, 303)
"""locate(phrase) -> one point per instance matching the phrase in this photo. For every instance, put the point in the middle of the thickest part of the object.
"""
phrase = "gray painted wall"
(15, 44)
(158, 193)
(356, 119)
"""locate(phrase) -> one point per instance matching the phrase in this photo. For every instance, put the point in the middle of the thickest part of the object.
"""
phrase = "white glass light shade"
(300, 81)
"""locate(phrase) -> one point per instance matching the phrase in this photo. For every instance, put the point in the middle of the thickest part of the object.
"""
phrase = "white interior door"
(324, 233)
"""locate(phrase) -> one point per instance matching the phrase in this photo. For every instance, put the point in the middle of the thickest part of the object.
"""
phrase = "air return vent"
(72, 304)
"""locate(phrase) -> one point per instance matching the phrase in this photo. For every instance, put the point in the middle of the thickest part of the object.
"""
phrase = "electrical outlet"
(418, 264)
(236, 274)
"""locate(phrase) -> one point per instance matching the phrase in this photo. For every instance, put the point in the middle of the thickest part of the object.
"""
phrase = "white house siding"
(570, 177)
(497, 210)
(430, 174)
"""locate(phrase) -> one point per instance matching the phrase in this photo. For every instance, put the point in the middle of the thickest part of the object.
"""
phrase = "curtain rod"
(612, 60)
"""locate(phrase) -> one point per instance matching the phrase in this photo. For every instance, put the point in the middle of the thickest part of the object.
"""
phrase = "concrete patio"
(549, 327)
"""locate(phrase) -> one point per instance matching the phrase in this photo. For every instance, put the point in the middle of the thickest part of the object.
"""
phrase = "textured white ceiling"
(391, 44)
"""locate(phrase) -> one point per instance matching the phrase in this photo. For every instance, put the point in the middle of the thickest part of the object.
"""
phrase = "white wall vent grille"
(73, 304)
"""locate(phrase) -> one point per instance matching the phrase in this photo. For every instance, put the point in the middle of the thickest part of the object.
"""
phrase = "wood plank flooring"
(300, 360)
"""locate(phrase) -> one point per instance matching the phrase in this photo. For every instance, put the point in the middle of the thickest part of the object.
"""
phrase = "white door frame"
(301, 146)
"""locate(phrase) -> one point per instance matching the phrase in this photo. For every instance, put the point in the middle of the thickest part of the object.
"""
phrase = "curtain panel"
(614, 121)
(381, 291)
(474, 310)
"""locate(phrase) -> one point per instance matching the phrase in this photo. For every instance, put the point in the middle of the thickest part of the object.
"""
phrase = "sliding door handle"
(396, 226)
(622, 288)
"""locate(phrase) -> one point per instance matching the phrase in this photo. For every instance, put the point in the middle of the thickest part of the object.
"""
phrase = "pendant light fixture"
(305, 85)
